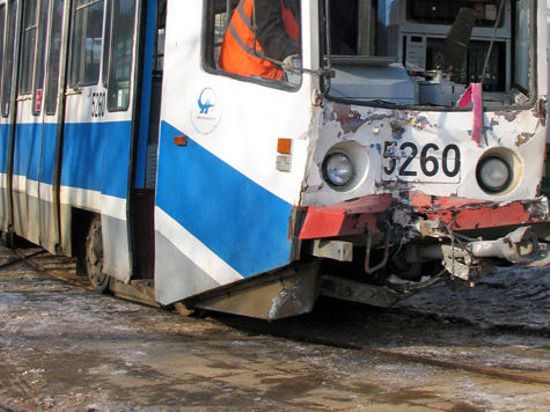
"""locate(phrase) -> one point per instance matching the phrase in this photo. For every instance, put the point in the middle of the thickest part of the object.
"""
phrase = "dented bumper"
(420, 216)
(466, 236)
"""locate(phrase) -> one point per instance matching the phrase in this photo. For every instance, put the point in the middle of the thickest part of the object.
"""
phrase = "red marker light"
(180, 141)
(284, 146)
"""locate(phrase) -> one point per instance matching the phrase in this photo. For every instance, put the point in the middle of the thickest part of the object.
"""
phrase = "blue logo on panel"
(207, 112)
(206, 100)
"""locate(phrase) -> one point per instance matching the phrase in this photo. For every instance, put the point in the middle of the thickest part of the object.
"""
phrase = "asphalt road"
(64, 348)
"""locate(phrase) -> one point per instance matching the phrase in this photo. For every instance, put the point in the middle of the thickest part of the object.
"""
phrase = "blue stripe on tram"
(239, 220)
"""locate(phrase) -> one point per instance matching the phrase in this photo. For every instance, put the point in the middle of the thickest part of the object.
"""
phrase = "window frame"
(72, 83)
(8, 71)
(532, 92)
(108, 54)
(4, 28)
(52, 78)
(207, 53)
(26, 71)
(39, 73)
(105, 56)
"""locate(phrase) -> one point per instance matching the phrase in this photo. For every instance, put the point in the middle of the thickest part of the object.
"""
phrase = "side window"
(120, 54)
(2, 28)
(7, 69)
(253, 40)
(38, 93)
(54, 51)
(218, 15)
(107, 41)
(86, 42)
(30, 29)
(159, 44)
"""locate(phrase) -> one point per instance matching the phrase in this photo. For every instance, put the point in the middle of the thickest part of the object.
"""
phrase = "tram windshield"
(427, 52)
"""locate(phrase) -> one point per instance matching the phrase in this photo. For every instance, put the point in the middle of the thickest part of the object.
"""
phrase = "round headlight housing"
(494, 174)
(338, 169)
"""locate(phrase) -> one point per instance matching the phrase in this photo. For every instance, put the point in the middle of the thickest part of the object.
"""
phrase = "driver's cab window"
(256, 40)
(428, 52)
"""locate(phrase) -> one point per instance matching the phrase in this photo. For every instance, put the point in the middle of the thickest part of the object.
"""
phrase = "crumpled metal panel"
(366, 131)
(419, 215)
(289, 292)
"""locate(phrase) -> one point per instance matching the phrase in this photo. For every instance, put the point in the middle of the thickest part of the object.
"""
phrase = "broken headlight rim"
(338, 170)
(494, 174)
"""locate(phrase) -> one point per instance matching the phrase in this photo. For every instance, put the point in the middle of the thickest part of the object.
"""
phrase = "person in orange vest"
(269, 48)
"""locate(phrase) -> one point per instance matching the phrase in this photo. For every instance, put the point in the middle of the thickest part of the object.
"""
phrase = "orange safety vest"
(242, 53)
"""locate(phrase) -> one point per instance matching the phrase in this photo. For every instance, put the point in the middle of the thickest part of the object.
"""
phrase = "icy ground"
(507, 298)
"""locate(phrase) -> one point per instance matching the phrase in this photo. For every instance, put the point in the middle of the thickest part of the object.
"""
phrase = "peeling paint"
(375, 130)
(524, 138)
(377, 147)
(508, 116)
(397, 129)
(420, 122)
(349, 119)
(540, 111)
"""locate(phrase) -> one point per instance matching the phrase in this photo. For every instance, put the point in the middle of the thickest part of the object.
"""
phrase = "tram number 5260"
(98, 104)
(408, 161)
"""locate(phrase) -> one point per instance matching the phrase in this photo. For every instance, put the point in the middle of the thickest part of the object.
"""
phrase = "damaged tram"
(405, 145)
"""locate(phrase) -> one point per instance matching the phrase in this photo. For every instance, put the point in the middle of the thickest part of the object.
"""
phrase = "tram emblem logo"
(205, 101)
(207, 111)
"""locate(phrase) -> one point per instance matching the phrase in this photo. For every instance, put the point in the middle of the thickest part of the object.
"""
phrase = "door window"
(86, 43)
(263, 47)
(2, 27)
(7, 69)
(38, 89)
(30, 28)
(121, 48)
(54, 51)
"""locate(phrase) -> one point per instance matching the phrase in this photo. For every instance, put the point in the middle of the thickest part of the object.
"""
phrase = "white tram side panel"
(224, 211)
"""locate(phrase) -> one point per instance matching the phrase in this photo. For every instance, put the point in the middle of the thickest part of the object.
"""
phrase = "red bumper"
(372, 213)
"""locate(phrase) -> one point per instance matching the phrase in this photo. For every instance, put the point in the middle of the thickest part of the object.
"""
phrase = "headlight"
(494, 174)
(338, 169)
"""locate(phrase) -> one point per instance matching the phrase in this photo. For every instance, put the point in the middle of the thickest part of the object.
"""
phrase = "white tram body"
(124, 142)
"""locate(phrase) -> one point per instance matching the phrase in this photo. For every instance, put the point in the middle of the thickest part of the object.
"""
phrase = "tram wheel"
(94, 257)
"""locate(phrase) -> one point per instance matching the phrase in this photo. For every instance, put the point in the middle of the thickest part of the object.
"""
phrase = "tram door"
(98, 134)
(31, 192)
(50, 101)
(8, 11)
(36, 143)
(143, 190)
